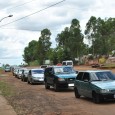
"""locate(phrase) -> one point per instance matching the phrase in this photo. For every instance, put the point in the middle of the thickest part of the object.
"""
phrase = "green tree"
(71, 41)
(44, 45)
(76, 43)
(30, 52)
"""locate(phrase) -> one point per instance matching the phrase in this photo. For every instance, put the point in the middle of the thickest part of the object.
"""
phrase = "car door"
(78, 82)
(51, 76)
(86, 85)
(47, 75)
(29, 76)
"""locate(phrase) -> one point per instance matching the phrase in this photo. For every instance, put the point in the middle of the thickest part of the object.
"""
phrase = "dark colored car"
(24, 75)
(59, 77)
(97, 84)
(43, 66)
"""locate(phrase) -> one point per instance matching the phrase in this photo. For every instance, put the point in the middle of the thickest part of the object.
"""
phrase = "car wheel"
(46, 85)
(56, 88)
(77, 95)
(31, 82)
(96, 98)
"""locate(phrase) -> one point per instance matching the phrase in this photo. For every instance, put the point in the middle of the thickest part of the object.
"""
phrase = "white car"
(36, 76)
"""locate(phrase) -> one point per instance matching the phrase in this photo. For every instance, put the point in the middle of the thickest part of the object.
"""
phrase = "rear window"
(69, 63)
(64, 63)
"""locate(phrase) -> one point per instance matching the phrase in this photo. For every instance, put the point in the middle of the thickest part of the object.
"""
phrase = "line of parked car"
(30, 76)
(96, 84)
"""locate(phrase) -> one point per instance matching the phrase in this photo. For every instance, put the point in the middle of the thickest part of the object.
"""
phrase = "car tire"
(31, 82)
(56, 87)
(77, 95)
(96, 98)
(46, 85)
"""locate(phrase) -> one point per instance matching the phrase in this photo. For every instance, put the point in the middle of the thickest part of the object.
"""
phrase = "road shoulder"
(5, 108)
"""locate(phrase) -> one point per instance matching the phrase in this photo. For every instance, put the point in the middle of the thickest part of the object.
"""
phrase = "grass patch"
(6, 89)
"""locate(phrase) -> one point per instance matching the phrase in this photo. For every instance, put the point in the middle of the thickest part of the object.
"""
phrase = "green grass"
(6, 89)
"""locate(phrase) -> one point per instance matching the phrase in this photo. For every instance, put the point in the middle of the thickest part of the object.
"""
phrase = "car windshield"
(26, 71)
(61, 70)
(38, 71)
(101, 76)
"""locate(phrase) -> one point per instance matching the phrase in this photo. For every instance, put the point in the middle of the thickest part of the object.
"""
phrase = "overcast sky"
(16, 32)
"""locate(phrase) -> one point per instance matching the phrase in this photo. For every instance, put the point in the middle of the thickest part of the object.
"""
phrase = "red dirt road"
(36, 100)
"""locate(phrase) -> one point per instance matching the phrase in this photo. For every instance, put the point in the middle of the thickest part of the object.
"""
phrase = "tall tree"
(76, 39)
(44, 45)
(30, 52)
(100, 32)
(71, 40)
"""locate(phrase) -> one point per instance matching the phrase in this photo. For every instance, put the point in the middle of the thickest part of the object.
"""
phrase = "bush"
(102, 60)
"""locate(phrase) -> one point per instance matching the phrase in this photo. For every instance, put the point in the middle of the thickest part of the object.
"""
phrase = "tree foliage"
(101, 33)
(44, 45)
(70, 42)
(30, 52)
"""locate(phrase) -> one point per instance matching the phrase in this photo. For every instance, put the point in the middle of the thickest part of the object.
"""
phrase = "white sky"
(14, 37)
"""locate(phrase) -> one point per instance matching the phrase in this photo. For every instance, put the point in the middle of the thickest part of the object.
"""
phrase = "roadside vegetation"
(6, 89)
(70, 45)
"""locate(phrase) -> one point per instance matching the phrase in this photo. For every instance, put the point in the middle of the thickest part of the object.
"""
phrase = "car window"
(105, 76)
(79, 76)
(30, 72)
(86, 76)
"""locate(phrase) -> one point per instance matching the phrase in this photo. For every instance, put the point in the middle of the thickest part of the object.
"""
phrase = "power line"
(18, 5)
(33, 13)
(35, 30)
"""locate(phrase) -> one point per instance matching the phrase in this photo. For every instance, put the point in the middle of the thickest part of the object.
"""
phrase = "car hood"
(38, 75)
(72, 75)
(105, 84)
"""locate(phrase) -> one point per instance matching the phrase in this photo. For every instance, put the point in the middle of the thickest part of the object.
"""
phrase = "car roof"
(37, 69)
(95, 71)
(58, 66)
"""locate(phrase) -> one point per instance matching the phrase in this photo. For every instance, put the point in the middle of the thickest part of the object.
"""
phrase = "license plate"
(70, 84)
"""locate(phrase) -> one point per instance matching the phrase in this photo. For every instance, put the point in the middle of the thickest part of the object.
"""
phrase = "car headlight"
(105, 91)
(61, 79)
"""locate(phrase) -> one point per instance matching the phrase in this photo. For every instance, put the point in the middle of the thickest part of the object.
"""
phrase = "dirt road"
(36, 100)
